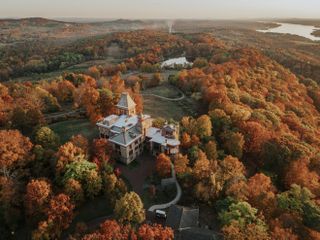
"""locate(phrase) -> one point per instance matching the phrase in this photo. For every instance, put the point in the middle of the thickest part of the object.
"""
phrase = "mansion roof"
(156, 136)
(126, 101)
(127, 137)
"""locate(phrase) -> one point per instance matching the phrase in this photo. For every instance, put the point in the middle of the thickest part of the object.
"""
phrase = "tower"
(126, 106)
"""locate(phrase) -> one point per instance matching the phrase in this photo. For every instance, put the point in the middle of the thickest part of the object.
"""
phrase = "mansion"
(130, 133)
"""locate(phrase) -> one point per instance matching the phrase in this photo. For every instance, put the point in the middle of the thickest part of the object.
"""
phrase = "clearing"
(67, 129)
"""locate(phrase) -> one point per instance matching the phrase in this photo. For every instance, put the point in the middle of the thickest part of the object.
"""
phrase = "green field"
(168, 109)
(67, 129)
(164, 90)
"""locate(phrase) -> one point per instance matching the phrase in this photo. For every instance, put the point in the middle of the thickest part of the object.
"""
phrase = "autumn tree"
(233, 143)
(37, 196)
(60, 215)
(299, 172)
(201, 127)
(111, 229)
(101, 151)
(106, 102)
(213, 176)
(117, 84)
(204, 127)
(25, 119)
(185, 140)
(231, 167)
(255, 136)
(155, 232)
(62, 90)
(87, 95)
(261, 193)
(181, 164)
(66, 154)
(15, 150)
(201, 169)
(139, 103)
(155, 80)
(10, 205)
(80, 142)
(163, 165)
(114, 188)
(158, 122)
(281, 233)
(130, 208)
(211, 150)
(73, 188)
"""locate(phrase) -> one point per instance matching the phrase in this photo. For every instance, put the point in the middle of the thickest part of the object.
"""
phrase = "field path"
(166, 98)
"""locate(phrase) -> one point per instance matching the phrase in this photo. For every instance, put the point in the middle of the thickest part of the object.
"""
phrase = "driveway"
(137, 175)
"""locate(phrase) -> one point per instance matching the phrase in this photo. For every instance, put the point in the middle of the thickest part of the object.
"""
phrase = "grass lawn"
(164, 90)
(67, 129)
(167, 109)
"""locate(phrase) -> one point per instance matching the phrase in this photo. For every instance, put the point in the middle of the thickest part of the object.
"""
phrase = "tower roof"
(126, 101)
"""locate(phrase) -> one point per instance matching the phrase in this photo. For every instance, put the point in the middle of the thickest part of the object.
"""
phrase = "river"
(294, 29)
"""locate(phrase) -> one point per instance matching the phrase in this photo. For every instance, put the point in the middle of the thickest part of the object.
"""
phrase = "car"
(161, 214)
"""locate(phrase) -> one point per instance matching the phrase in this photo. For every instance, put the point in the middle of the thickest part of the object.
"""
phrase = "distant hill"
(36, 21)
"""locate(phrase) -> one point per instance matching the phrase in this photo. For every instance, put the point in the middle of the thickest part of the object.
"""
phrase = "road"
(175, 200)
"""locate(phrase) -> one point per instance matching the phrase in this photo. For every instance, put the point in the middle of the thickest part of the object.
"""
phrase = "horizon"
(101, 19)
(165, 9)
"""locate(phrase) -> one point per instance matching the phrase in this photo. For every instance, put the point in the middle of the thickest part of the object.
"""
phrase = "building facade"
(130, 133)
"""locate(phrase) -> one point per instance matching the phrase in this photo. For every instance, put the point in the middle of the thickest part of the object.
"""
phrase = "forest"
(251, 161)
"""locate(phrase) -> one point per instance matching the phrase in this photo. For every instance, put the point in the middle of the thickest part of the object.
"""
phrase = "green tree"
(130, 208)
(47, 138)
(86, 173)
(311, 215)
(241, 212)
(294, 199)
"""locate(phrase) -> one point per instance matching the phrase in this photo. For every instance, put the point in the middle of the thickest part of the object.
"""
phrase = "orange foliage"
(66, 154)
(60, 212)
(181, 164)
(163, 165)
(155, 232)
(101, 151)
(261, 193)
(299, 173)
(37, 196)
(14, 149)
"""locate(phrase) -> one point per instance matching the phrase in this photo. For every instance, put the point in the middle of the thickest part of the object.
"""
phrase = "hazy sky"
(161, 8)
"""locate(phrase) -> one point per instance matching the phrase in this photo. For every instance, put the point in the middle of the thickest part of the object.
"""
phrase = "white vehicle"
(161, 214)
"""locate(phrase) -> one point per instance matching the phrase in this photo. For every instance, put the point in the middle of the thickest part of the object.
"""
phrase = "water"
(294, 29)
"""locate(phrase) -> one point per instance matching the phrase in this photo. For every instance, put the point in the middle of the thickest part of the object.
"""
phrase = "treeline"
(253, 158)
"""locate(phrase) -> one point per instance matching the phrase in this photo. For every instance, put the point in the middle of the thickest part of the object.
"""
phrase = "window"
(130, 152)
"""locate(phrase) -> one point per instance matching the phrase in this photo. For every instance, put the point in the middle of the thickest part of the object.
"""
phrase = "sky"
(152, 9)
